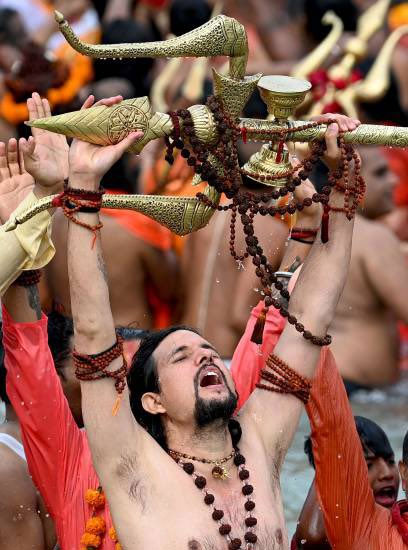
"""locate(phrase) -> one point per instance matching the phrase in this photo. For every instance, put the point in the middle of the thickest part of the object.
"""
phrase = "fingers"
(345, 123)
(37, 109)
(39, 105)
(109, 101)
(12, 157)
(89, 101)
(32, 109)
(26, 148)
(46, 107)
(128, 141)
(4, 171)
(330, 137)
(123, 145)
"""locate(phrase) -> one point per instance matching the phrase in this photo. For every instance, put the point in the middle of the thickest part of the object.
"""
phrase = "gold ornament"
(220, 36)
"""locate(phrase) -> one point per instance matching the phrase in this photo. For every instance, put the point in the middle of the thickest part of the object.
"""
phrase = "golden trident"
(221, 36)
(377, 81)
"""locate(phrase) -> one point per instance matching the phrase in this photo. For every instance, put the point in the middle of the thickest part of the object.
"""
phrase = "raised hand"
(15, 182)
(332, 156)
(89, 162)
(45, 156)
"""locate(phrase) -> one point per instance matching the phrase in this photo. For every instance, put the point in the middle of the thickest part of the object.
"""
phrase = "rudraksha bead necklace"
(234, 543)
(218, 165)
(218, 472)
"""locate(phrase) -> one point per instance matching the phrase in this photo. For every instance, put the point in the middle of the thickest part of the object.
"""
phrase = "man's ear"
(152, 404)
(403, 469)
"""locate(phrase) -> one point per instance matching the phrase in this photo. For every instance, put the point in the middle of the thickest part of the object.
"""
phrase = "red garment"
(352, 518)
(249, 358)
(57, 451)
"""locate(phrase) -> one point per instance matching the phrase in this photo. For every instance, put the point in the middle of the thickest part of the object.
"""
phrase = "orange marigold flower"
(112, 534)
(118, 546)
(88, 539)
(96, 526)
(95, 498)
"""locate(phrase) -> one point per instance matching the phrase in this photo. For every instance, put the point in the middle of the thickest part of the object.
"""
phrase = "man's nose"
(203, 355)
(385, 470)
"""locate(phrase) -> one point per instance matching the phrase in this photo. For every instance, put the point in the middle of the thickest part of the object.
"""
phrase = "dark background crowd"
(155, 278)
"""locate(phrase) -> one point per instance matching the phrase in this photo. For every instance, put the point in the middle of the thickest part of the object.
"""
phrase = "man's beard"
(208, 411)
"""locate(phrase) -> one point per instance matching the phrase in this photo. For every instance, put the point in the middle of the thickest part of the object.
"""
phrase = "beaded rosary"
(204, 159)
(234, 543)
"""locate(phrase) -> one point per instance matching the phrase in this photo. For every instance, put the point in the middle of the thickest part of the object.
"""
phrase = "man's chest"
(188, 520)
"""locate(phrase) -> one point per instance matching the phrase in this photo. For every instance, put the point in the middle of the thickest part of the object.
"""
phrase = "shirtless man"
(191, 395)
(135, 267)
(365, 339)
(218, 294)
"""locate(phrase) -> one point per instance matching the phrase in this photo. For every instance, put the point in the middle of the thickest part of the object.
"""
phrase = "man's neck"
(212, 442)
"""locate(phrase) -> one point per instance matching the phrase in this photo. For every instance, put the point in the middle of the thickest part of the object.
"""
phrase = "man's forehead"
(179, 339)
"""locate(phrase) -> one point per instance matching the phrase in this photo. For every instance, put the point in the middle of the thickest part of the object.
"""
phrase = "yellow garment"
(29, 246)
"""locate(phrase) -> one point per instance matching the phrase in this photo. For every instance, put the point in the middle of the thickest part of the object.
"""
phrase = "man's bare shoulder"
(371, 233)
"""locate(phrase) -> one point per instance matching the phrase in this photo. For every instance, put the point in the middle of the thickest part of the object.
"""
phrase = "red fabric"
(352, 518)
(398, 159)
(57, 451)
(249, 358)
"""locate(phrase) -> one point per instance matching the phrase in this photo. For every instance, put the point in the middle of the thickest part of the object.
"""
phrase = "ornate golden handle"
(365, 134)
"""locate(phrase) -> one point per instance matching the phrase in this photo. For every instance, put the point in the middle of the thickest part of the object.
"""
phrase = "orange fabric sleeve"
(52, 441)
(249, 358)
(342, 482)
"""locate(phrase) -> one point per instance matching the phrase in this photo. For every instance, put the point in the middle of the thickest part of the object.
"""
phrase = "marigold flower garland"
(95, 528)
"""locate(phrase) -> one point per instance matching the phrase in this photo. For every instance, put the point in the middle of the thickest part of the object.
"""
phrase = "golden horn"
(219, 36)
(182, 215)
(108, 125)
(193, 87)
(319, 55)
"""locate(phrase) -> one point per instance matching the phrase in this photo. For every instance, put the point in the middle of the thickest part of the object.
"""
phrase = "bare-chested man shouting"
(182, 398)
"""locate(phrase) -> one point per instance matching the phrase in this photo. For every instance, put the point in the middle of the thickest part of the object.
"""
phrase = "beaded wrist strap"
(281, 378)
(80, 200)
(94, 367)
(28, 278)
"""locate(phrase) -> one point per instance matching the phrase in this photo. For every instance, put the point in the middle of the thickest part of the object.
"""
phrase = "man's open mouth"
(210, 376)
(386, 496)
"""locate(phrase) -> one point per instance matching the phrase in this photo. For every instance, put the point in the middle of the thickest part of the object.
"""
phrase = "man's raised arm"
(313, 303)
(93, 323)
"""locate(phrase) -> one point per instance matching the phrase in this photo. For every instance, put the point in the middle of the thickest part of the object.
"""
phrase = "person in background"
(376, 293)
(383, 476)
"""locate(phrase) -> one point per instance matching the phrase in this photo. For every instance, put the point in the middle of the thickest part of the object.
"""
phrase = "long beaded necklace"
(218, 472)
(234, 543)
(247, 204)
